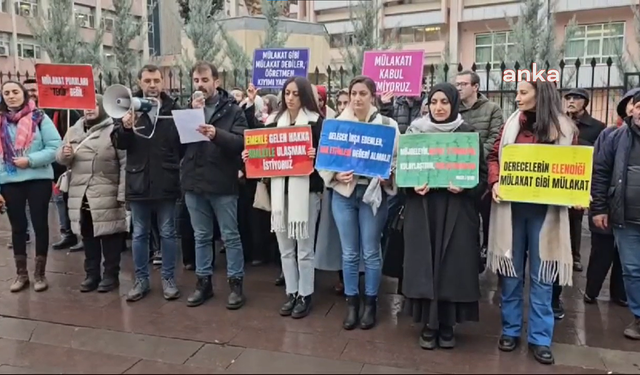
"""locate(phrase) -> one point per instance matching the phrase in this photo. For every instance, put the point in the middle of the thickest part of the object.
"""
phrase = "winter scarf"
(291, 216)
(427, 124)
(555, 244)
(26, 120)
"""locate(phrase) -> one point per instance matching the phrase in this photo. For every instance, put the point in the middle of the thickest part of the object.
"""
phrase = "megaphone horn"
(118, 100)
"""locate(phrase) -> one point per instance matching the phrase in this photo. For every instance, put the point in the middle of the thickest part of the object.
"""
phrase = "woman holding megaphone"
(96, 182)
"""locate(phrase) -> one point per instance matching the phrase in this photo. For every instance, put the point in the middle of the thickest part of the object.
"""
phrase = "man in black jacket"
(615, 191)
(62, 119)
(152, 182)
(209, 176)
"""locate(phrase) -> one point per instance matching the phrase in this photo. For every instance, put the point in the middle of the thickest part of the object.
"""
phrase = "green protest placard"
(438, 159)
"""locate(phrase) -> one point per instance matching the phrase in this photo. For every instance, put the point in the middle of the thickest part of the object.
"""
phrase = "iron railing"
(601, 80)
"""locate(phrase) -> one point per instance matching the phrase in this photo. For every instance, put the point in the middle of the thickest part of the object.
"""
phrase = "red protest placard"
(65, 86)
(278, 152)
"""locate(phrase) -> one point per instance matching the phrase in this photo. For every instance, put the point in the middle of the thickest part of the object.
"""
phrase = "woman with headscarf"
(441, 237)
(321, 97)
(96, 196)
(28, 144)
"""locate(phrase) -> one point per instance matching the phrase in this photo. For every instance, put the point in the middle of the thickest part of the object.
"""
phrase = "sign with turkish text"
(399, 72)
(278, 152)
(273, 66)
(366, 149)
(438, 160)
(546, 174)
(65, 86)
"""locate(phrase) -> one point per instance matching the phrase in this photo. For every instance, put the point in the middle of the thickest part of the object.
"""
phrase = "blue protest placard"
(273, 66)
(365, 149)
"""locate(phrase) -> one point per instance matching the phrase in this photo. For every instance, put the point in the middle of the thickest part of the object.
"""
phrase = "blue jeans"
(527, 220)
(141, 219)
(63, 214)
(628, 242)
(359, 229)
(203, 210)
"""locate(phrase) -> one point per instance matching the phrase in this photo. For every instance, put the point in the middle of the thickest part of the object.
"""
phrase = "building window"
(28, 50)
(4, 6)
(340, 40)
(85, 16)
(26, 8)
(5, 44)
(108, 24)
(598, 41)
(493, 48)
(413, 34)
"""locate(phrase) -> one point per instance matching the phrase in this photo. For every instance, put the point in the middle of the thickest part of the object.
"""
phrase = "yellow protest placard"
(546, 174)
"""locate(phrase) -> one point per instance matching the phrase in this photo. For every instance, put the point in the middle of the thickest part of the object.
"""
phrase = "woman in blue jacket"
(28, 144)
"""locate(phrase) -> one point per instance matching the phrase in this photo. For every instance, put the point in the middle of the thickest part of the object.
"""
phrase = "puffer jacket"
(97, 172)
(486, 118)
(404, 112)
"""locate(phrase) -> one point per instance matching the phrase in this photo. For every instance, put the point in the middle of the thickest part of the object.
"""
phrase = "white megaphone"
(118, 100)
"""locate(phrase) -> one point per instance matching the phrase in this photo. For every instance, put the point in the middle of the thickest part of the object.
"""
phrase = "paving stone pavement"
(64, 331)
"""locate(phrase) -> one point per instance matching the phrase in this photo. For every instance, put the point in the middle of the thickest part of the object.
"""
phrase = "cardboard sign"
(62, 86)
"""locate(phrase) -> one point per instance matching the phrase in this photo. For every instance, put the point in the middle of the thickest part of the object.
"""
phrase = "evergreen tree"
(623, 58)
(60, 37)
(366, 36)
(185, 10)
(203, 30)
(126, 29)
(274, 37)
(534, 40)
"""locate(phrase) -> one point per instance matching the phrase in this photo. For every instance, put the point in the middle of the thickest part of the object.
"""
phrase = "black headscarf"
(452, 95)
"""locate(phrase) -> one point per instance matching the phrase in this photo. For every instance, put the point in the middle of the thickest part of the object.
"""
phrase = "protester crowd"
(436, 241)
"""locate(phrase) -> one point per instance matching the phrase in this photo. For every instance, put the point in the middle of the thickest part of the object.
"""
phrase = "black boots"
(67, 241)
(368, 320)
(236, 298)
(203, 292)
(369, 315)
(302, 308)
(96, 248)
(289, 305)
(353, 313)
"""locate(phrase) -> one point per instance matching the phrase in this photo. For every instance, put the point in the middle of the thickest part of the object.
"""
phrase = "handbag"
(393, 246)
(262, 200)
(65, 179)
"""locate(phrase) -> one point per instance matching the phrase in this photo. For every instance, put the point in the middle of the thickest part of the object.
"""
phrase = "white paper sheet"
(187, 122)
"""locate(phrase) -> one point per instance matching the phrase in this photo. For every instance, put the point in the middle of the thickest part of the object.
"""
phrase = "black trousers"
(107, 247)
(485, 214)
(38, 194)
(255, 227)
(604, 255)
(575, 229)
(187, 238)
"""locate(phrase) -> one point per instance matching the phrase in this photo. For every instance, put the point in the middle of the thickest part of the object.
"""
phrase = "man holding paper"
(209, 174)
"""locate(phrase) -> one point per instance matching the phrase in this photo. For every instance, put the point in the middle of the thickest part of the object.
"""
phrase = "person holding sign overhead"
(28, 144)
(295, 200)
(441, 246)
(537, 232)
(360, 210)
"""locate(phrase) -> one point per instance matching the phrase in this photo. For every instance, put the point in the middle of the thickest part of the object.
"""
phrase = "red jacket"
(493, 159)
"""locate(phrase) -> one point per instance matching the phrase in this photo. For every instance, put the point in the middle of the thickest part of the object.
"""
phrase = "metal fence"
(600, 80)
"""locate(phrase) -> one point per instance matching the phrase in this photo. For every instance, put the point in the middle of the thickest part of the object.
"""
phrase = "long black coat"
(441, 237)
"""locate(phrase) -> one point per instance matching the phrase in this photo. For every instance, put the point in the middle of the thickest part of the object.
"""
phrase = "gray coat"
(97, 172)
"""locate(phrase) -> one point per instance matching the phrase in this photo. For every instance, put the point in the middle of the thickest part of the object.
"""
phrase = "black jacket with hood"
(153, 165)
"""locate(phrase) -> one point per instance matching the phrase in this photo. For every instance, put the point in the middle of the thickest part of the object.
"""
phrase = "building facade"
(468, 31)
(19, 51)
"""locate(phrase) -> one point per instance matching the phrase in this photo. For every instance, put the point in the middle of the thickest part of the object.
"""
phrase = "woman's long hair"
(271, 101)
(548, 127)
(305, 93)
(3, 102)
